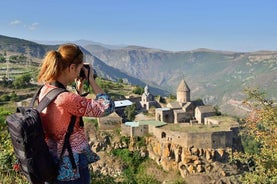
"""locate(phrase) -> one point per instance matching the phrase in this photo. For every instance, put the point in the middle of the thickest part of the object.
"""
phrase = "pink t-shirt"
(56, 118)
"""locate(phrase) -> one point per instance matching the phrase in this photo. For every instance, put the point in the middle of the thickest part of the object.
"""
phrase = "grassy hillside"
(25, 47)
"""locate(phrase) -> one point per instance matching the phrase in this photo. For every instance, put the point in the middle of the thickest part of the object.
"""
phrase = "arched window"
(163, 134)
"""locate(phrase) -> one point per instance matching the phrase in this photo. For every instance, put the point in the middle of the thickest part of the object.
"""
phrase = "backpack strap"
(67, 145)
(32, 103)
(49, 97)
(46, 100)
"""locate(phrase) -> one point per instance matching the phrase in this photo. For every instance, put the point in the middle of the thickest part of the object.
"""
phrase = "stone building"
(175, 123)
(182, 110)
(204, 111)
(139, 128)
(164, 115)
(208, 138)
(183, 92)
(148, 100)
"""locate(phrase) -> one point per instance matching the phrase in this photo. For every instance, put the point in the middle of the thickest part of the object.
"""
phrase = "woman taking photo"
(59, 69)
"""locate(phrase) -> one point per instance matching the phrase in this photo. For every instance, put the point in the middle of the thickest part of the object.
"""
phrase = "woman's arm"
(95, 87)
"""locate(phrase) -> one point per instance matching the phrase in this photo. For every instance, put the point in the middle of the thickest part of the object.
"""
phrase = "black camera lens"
(82, 73)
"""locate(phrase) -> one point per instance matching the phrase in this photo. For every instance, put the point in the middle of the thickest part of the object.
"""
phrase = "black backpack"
(27, 135)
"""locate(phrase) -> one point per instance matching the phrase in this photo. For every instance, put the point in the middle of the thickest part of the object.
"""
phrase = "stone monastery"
(184, 122)
(184, 110)
(186, 136)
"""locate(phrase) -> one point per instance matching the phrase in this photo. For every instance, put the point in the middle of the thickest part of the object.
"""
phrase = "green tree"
(13, 59)
(4, 98)
(120, 80)
(161, 99)
(22, 59)
(138, 90)
(22, 81)
(171, 96)
(217, 111)
(14, 96)
(261, 124)
(130, 112)
(2, 59)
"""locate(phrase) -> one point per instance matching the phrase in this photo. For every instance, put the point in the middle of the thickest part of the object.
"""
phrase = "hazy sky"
(235, 25)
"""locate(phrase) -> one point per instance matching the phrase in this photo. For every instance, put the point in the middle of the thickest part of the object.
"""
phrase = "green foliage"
(261, 124)
(97, 178)
(13, 58)
(172, 97)
(92, 122)
(3, 114)
(7, 97)
(132, 161)
(161, 99)
(2, 59)
(130, 112)
(105, 85)
(22, 81)
(138, 90)
(14, 97)
(250, 145)
(4, 98)
(125, 139)
(217, 111)
(146, 179)
(120, 80)
(140, 142)
(7, 158)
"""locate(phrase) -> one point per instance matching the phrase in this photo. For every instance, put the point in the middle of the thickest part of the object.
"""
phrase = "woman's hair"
(56, 61)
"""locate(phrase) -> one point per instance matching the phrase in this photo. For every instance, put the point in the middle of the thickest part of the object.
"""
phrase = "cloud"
(15, 22)
(33, 26)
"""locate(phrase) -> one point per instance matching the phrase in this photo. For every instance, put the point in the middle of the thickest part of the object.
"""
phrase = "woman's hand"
(90, 73)
(80, 85)
(88, 70)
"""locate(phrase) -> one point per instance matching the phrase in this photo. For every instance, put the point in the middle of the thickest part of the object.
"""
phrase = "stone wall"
(134, 131)
(164, 115)
(139, 131)
(222, 139)
(125, 130)
(211, 121)
(186, 160)
(200, 116)
(181, 116)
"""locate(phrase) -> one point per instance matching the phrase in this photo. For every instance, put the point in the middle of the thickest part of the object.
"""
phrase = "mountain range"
(216, 77)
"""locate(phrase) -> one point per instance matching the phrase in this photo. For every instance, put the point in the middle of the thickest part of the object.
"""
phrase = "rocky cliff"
(211, 165)
(191, 160)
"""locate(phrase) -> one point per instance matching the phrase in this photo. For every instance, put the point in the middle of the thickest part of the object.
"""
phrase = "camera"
(82, 73)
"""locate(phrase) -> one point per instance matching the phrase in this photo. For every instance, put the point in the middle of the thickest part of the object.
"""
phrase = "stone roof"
(163, 109)
(179, 111)
(183, 86)
(187, 105)
(206, 108)
(174, 105)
